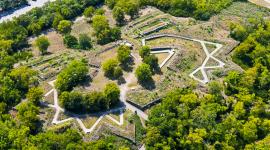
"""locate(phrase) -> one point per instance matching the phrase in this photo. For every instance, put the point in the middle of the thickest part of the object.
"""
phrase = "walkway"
(77, 117)
(123, 88)
(32, 4)
(209, 55)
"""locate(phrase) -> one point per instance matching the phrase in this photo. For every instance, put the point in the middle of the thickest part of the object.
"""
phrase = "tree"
(144, 51)
(72, 101)
(71, 41)
(89, 12)
(100, 11)
(110, 3)
(143, 73)
(64, 26)
(75, 73)
(119, 15)
(118, 72)
(109, 67)
(123, 54)
(56, 20)
(152, 61)
(27, 114)
(34, 28)
(112, 93)
(42, 43)
(85, 42)
(95, 101)
(215, 88)
(34, 95)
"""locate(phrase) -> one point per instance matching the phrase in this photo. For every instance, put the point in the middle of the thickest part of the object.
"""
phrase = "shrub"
(42, 43)
(64, 26)
(70, 41)
(85, 42)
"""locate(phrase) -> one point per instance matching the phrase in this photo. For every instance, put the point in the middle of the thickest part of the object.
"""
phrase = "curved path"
(209, 55)
(32, 4)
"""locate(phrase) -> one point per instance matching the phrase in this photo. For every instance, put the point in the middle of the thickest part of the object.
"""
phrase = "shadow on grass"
(128, 66)
(86, 82)
(149, 85)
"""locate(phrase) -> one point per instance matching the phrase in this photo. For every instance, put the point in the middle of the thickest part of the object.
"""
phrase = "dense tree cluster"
(104, 33)
(15, 135)
(15, 83)
(11, 4)
(74, 74)
(198, 9)
(122, 7)
(39, 19)
(91, 102)
(234, 115)
(185, 121)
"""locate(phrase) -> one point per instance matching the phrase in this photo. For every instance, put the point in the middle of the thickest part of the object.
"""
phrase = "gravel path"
(32, 4)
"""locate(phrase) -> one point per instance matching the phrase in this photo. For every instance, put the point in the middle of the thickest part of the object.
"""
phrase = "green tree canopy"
(143, 73)
(75, 73)
(64, 26)
(42, 43)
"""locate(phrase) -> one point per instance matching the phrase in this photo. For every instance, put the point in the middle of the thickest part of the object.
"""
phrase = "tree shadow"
(121, 80)
(149, 85)
(86, 81)
(128, 66)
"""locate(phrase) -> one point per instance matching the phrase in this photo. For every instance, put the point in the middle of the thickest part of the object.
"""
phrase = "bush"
(85, 42)
(71, 41)
(64, 26)
(118, 72)
(42, 43)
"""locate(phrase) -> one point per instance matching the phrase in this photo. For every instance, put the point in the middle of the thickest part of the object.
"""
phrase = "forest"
(235, 113)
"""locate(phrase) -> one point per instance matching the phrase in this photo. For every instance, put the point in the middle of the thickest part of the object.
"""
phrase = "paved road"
(23, 10)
